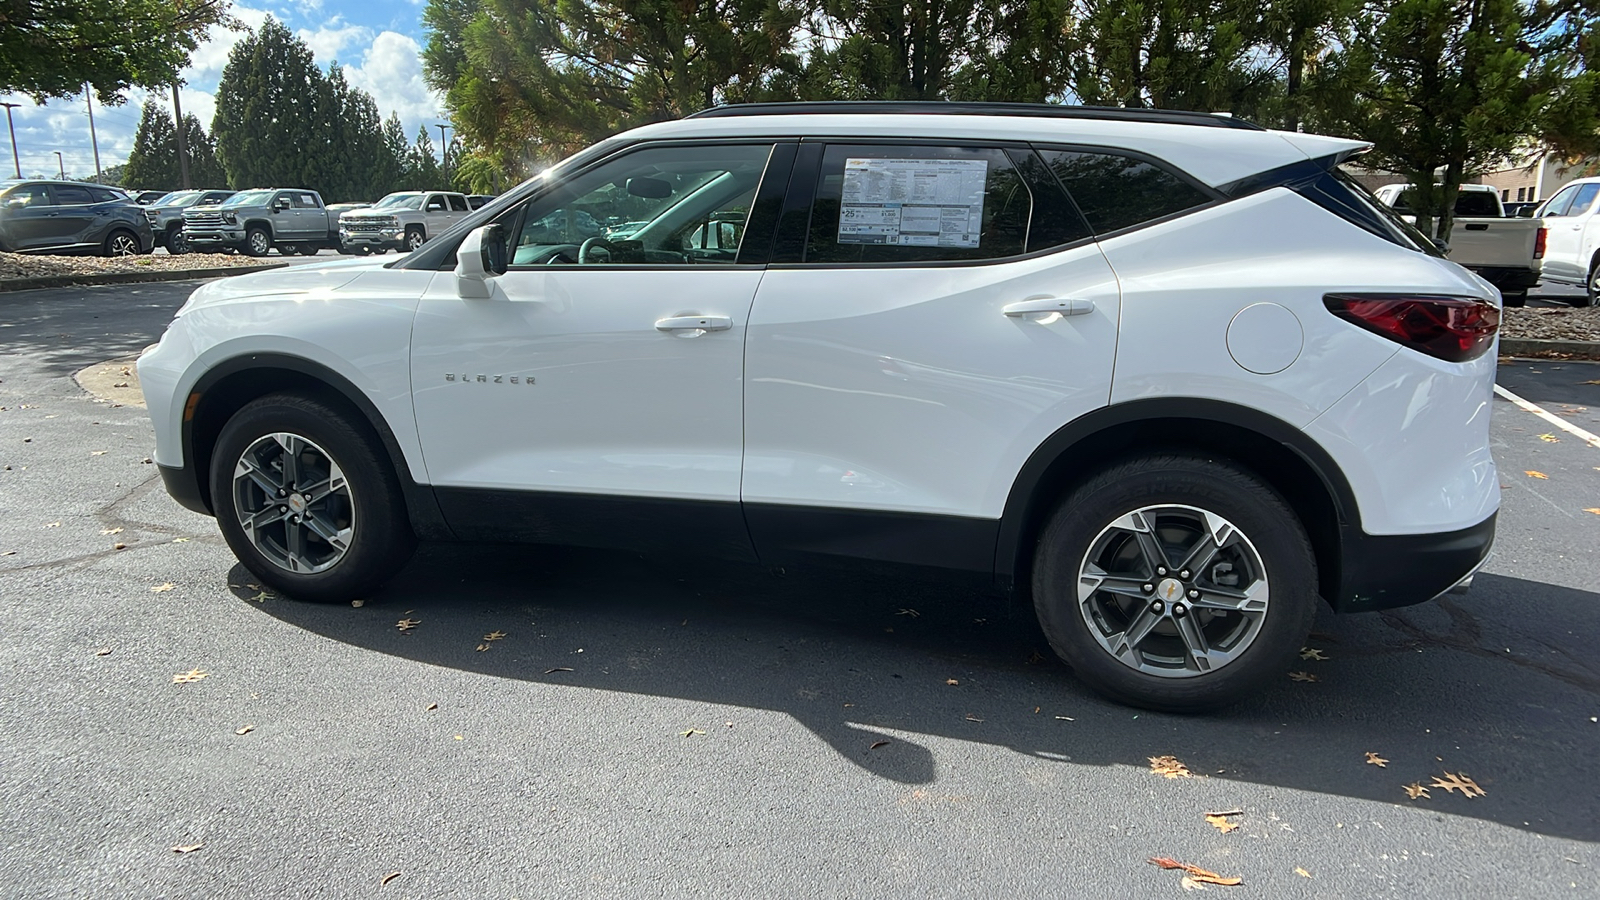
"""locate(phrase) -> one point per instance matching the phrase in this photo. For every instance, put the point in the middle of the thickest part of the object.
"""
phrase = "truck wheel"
(414, 239)
(288, 249)
(257, 241)
(1591, 294)
(308, 500)
(121, 243)
(177, 244)
(309, 249)
(1175, 582)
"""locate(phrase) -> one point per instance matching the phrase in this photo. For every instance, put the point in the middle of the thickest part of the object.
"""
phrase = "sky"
(378, 45)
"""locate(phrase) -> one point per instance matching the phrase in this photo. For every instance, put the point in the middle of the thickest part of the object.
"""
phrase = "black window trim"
(1217, 197)
(512, 218)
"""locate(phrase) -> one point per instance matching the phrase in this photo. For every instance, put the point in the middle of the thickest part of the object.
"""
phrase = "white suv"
(1572, 250)
(1169, 375)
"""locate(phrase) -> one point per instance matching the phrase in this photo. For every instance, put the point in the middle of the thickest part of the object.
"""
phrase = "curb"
(54, 281)
(1531, 347)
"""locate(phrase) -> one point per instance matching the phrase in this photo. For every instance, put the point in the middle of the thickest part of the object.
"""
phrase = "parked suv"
(401, 221)
(257, 220)
(1158, 372)
(71, 217)
(166, 215)
(1572, 251)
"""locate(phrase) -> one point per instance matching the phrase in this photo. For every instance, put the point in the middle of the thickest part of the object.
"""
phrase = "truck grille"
(202, 218)
(355, 226)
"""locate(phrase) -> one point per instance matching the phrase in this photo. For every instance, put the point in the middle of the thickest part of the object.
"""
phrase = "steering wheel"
(591, 243)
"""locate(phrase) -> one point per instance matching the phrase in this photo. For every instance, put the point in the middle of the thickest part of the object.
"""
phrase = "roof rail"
(947, 108)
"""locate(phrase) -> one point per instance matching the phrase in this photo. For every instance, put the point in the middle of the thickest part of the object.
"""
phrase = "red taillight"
(1538, 243)
(1451, 328)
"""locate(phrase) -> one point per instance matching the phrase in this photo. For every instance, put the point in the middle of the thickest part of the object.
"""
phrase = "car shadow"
(862, 658)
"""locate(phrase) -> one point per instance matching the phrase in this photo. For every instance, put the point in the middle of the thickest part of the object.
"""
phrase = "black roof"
(945, 108)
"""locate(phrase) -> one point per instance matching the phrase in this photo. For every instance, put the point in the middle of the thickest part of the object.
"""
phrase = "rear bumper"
(1508, 278)
(1390, 570)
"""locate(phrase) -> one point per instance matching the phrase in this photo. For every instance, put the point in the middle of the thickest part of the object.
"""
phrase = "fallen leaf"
(877, 744)
(1189, 884)
(460, 738)
(117, 530)
(973, 718)
(388, 878)
(1415, 790)
(103, 651)
(431, 707)
(1302, 676)
(1549, 439)
(494, 635)
(1066, 718)
(1198, 874)
(1593, 509)
(1221, 822)
(97, 453)
(951, 681)
(482, 647)
(162, 588)
(1301, 872)
(119, 546)
(1312, 653)
(180, 540)
(53, 525)
(244, 729)
(690, 731)
(908, 612)
(187, 848)
(1458, 782)
(1532, 474)
(189, 677)
(264, 597)
(1170, 767)
(1592, 381)
(407, 624)
(1374, 759)
(358, 603)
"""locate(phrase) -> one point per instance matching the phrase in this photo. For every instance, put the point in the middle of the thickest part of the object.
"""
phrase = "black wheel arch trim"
(426, 518)
(1023, 504)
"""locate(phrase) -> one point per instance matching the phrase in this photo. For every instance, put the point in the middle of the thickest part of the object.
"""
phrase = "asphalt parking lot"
(690, 728)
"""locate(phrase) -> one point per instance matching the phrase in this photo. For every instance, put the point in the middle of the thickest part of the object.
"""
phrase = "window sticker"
(913, 202)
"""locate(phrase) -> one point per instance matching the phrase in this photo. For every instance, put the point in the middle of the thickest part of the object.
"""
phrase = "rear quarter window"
(1116, 192)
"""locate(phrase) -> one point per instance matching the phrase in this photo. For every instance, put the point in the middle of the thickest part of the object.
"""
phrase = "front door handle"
(693, 326)
(1048, 306)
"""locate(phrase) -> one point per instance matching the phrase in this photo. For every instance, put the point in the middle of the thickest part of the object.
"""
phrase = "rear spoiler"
(1324, 155)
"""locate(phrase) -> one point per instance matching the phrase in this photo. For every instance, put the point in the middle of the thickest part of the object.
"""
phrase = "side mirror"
(481, 256)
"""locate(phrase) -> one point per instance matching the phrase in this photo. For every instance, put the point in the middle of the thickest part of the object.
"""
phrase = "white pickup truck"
(401, 221)
(1507, 252)
(1573, 254)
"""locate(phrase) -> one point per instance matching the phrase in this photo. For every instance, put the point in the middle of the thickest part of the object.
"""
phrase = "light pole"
(15, 160)
(93, 140)
(60, 169)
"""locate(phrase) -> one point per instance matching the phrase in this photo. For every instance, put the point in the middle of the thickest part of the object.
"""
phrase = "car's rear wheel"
(121, 243)
(1591, 293)
(307, 500)
(1178, 583)
(308, 249)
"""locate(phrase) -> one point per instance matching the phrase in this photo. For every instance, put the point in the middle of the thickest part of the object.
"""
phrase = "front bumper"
(214, 237)
(387, 240)
(184, 487)
(1390, 570)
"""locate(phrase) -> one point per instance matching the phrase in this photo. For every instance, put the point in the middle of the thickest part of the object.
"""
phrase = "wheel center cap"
(297, 503)
(1170, 589)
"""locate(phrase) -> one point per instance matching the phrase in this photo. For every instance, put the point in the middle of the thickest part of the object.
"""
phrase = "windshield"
(177, 198)
(249, 198)
(1469, 204)
(400, 201)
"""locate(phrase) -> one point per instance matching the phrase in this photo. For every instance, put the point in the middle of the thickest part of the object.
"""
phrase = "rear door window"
(458, 203)
(1115, 191)
(917, 204)
(71, 195)
(305, 201)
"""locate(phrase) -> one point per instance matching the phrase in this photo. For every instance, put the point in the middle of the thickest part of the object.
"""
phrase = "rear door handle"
(693, 326)
(1036, 309)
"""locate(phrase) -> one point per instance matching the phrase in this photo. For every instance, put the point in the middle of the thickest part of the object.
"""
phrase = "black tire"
(1268, 526)
(362, 250)
(121, 242)
(309, 249)
(1591, 291)
(1514, 298)
(414, 239)
(288, 250)
(257, 241)
(177, 243)
(379, 539)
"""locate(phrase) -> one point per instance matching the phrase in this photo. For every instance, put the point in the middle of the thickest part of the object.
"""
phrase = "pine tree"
(204, 170)
(267, 111)
(153, 164)
(424, 169)
(392, 171)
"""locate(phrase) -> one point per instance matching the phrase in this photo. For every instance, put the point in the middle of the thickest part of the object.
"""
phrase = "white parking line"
(1563, 424)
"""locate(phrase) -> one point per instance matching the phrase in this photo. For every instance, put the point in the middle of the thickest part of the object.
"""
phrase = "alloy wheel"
(293, 503)
(260, 243)
(123, 244)
(1173, 591)
(414, 240)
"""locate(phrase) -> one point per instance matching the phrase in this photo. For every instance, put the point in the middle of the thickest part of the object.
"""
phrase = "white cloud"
(391, 72)
(208, 60)
(327, 43)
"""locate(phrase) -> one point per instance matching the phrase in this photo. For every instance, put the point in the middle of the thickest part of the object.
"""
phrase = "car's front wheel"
(1178, 583)
(307, 500)
(257, 241)
(414, 239)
